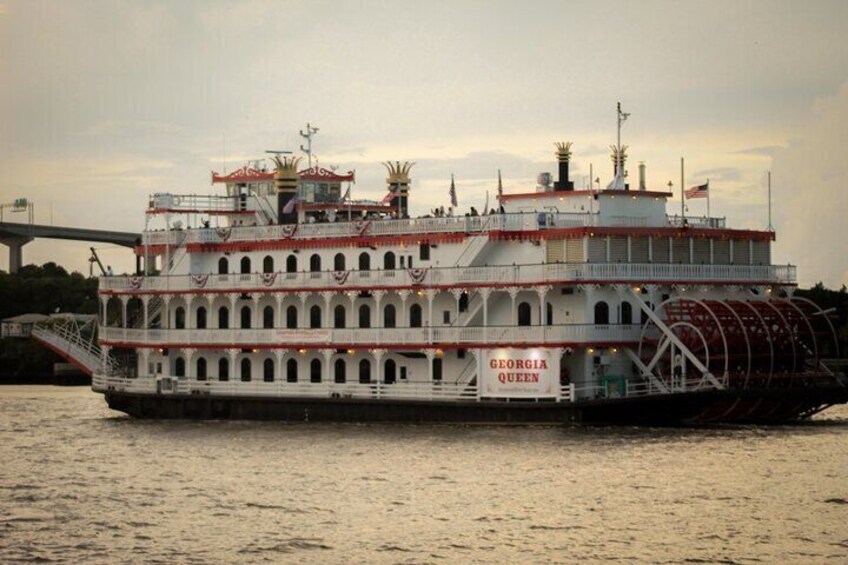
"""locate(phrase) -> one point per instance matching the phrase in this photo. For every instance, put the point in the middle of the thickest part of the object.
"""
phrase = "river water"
(82, 484)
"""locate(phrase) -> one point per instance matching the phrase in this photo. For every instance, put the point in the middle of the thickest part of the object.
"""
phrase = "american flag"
(453, 193)
(289, 207)
(700, 191)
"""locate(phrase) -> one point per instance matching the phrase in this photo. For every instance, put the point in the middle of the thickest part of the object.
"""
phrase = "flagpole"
(708, 201)
(770, 228)
(682, 199)
(591, 190)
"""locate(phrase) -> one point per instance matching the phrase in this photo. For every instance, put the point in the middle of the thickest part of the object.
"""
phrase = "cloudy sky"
(103, 103)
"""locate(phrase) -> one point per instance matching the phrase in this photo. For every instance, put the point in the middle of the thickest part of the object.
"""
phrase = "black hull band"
(766, 406)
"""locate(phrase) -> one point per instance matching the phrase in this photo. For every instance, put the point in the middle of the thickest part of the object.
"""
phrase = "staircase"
(67, 338)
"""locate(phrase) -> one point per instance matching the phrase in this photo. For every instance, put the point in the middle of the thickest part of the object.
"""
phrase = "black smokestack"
(563, 154)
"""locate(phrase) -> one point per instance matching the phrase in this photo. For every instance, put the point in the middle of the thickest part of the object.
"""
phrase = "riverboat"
(281, 298)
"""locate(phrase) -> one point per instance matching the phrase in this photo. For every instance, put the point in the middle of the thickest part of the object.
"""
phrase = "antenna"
(310, 131)
(622, 117)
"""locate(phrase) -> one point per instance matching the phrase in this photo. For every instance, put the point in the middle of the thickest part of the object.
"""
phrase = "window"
(626, 313)
(339, 262)
(644, 318)
(223, 266)
(201, 318)
(549, 314)
(389, 261)
(389, 316)
(315, 371)
(245, 370)
(364, 316)
(437, 368)
(223, 318)
(601, 313)
(245, 317)
(424, 252)
(446, 317)
(365, 371)
(268, 371)
(315, 263)
(245, 265)
(291, 264)
(415, 316)
(524, 314)
(391, 371)
(291, 317)
(268, 264)
(364, 261)
(340, 370)
(223, 369)
(268, 317)
(179, 318)
(179, 367)
(201, 369)
(463, 302)
(291, 371)
(339, 316)
(315, 316)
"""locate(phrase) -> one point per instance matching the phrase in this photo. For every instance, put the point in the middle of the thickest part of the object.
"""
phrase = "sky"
(104, 103)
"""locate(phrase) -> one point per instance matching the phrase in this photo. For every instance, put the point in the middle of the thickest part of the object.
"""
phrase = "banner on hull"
(519, 373)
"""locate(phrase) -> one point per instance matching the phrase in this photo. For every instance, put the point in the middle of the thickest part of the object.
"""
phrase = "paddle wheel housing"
(756, 342)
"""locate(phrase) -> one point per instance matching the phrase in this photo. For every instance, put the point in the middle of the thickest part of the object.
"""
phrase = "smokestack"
(286, 180)
(642, 183)
(398, 182)
(563, 155)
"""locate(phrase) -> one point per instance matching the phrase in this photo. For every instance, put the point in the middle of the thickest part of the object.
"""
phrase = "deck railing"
(375, 337)
(551, 273)
(417, 226)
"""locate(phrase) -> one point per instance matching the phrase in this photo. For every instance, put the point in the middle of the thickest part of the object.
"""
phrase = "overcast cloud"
(102, 103)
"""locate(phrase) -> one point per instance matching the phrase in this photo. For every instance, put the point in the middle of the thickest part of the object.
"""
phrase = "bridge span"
(16, 235)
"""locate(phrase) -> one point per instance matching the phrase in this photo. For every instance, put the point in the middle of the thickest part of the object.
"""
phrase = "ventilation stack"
(398, 182)
(286, 181)
(563, 155)
(642, 179)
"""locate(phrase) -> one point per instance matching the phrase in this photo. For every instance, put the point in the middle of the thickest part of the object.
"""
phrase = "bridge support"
(16, 254)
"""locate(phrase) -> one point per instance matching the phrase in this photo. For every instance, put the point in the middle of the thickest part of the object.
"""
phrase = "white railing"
(411, 337)
(551, 273)
(66, 340)
(192, 203)
(416, 226)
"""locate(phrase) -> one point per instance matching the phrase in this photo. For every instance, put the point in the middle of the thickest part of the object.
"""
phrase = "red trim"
(573, 193)
(343, 288)
(244, 174)
(324, 243)
(64, 355)
(359, 347)
(317, 173)
(342, 207)
(198, 211)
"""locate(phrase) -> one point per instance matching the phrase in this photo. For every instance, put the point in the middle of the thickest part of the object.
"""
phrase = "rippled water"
(79, 483)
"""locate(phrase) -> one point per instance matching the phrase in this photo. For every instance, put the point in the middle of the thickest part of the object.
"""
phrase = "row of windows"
(390, 262)
(601, 316)
(269, 373)
(339, 317)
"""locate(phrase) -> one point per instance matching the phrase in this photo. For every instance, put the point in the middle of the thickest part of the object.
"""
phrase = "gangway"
(73, 337)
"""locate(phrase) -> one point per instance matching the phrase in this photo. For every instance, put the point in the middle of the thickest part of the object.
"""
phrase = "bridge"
(16, 235)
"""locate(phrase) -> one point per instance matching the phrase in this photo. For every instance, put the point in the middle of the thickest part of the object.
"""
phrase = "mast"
(310, 131)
